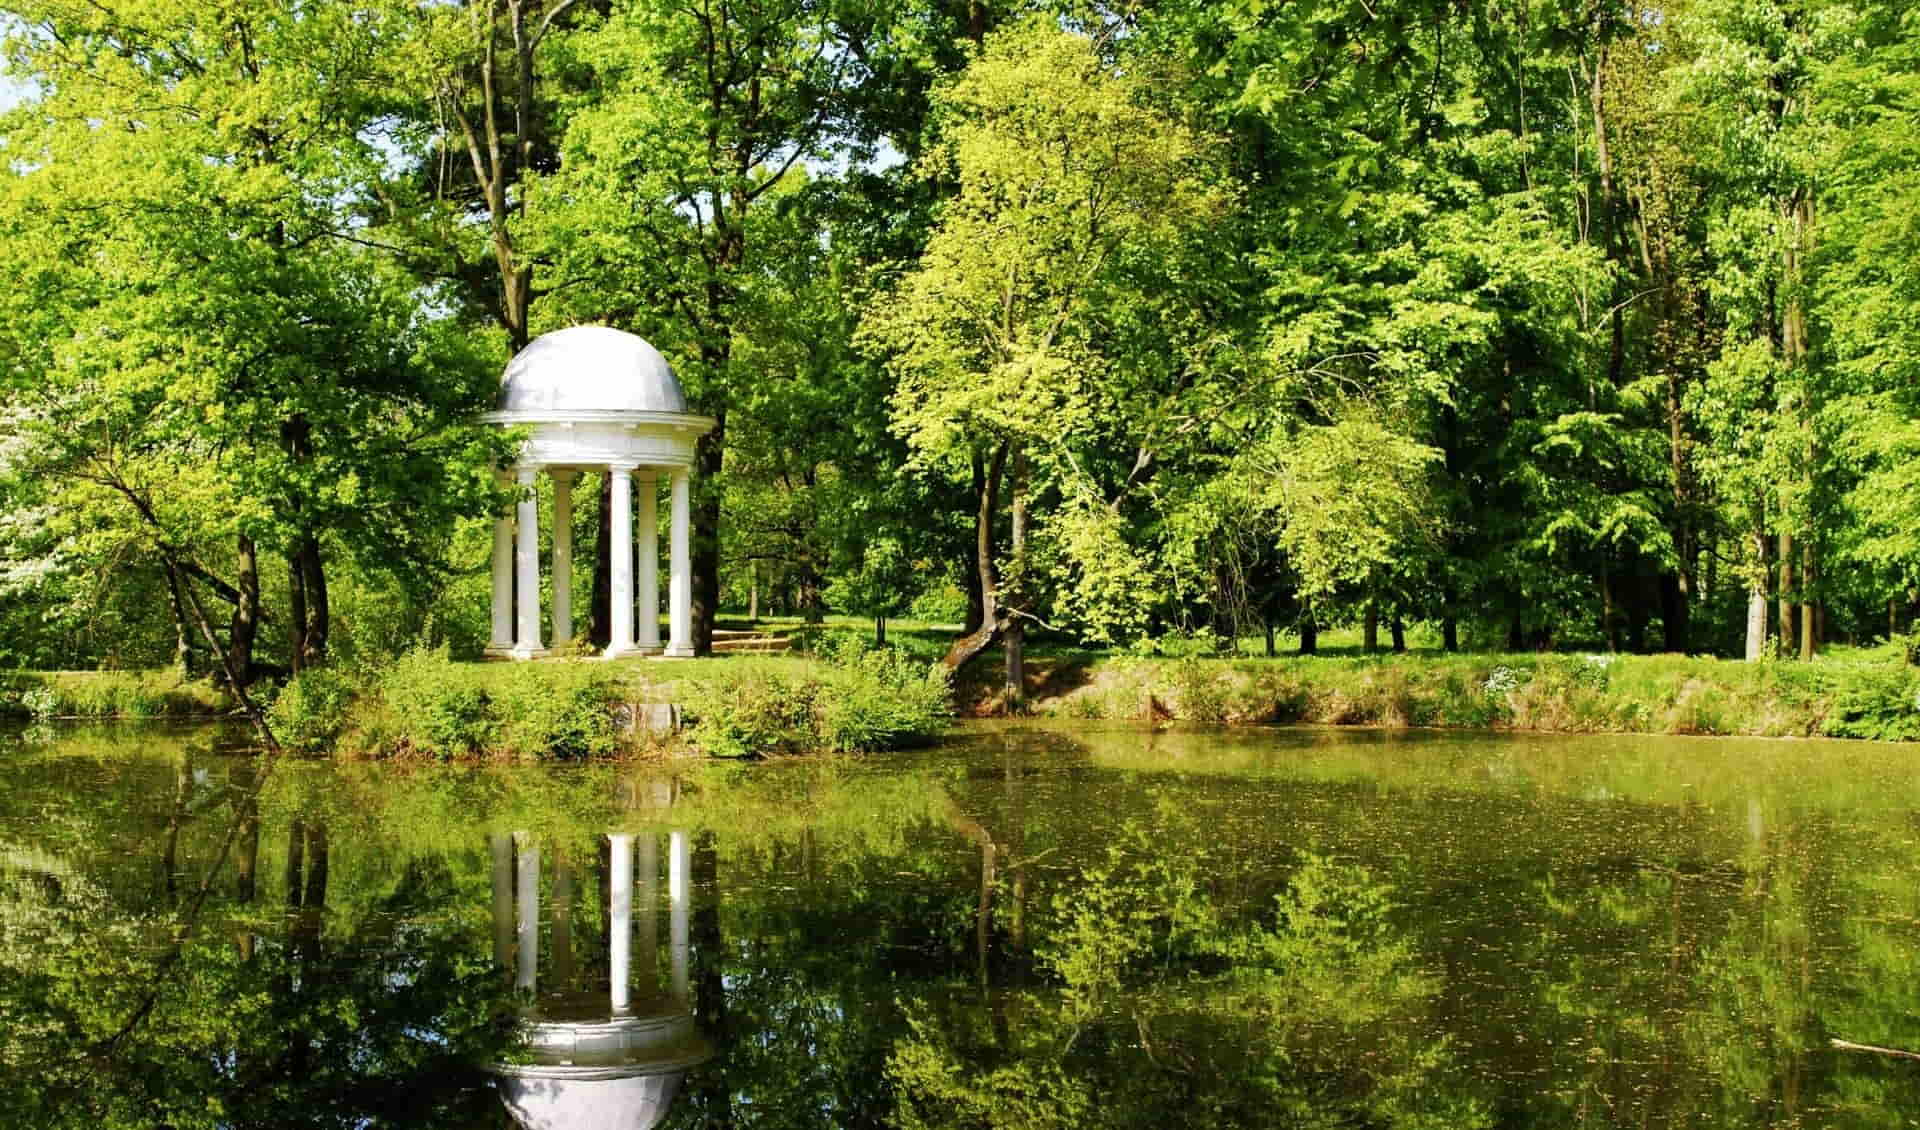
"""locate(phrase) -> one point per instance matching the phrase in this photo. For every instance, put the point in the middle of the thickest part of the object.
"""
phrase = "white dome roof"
(586, 1099)
(589, 369)
(603, 1073)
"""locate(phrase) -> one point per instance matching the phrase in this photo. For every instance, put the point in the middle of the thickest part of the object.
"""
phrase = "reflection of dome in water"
(596, 1059)
(616, 1074)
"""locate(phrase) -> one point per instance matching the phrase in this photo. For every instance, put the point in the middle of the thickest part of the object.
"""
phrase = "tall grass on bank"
(858, 699)
(424, 704)
(109, 694)
(850, 699)
(1662, 694)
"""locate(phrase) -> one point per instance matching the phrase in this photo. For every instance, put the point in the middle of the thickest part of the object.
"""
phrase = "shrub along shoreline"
(1649, 694)
(850, 698)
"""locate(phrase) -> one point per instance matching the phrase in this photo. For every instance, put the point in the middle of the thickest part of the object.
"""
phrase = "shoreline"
(762, 705)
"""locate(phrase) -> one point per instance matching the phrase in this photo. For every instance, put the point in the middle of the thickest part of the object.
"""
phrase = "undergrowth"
(1666, 694)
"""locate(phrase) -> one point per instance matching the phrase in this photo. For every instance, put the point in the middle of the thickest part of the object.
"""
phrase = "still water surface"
(1031, 926)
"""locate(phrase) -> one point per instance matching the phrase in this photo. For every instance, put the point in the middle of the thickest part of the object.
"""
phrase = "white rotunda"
(599, 400)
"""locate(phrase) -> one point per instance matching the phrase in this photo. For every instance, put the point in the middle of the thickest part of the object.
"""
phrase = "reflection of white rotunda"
(597, 1062)
(600, 400)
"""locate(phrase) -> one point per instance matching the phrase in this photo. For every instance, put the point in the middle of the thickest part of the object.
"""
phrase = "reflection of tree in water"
(1164, 1007)
(976, 923)
(307, 1016)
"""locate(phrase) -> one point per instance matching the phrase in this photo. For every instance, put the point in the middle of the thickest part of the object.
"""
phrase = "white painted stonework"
(599, 401)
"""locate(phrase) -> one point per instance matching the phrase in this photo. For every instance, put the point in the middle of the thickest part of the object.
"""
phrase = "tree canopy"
(1542, 325)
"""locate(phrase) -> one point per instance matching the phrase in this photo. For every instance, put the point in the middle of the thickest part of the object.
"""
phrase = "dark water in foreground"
(1023, 928)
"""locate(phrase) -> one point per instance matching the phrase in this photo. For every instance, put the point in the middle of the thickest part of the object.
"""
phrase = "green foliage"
(857, 700)
(435, 706)
(312, 710)
(1263, 998)
(556, 710)
(1561, 693)
(940, 603)
(109, 694)
(1884, 705)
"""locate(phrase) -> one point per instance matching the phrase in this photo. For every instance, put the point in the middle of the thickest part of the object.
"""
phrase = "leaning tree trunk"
(992, 620)
(182, 632)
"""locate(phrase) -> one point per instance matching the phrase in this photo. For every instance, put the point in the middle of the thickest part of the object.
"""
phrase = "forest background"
(1539, 324)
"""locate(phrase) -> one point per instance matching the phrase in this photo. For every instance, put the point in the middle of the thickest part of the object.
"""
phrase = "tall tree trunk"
(313, 570)
(296, 614)
(1399, 629)
(1450, 634)
(599, 623)
(1267, 624)
(976, 596)
(991, 623)
(715, 1097)
(708, 457)
(809, 594)
(1014, 638)
(1809, 602)
(1309, 633)
(1676, 612)
(1609, 623)
(1370, 628)
(308, 611)
(1787, 591)
(246, 611)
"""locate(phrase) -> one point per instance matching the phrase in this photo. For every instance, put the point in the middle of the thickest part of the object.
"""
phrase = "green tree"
(1068, 181)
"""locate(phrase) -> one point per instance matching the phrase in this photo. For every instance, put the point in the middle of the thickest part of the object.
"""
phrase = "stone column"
(649, 911)
(526, 568)
(500, 640)
(529, 907)
(649, 563)
(620, 558)
(679, 868)
(680, 614)
(620, 914)
(562, 557)
(502, 847)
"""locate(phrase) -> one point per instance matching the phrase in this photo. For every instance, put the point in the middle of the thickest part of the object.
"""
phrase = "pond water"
(1027, 926)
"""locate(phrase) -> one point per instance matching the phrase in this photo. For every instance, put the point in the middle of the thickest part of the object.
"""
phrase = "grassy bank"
(843, 695)
(851, 699)
(1871, 697)
(109, 694)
